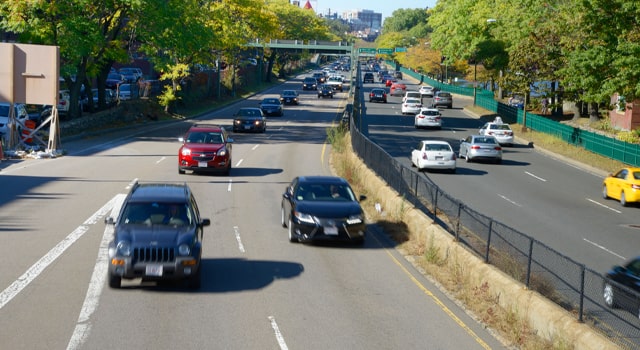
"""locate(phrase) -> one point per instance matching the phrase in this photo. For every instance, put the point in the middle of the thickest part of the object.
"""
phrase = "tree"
(88, 33)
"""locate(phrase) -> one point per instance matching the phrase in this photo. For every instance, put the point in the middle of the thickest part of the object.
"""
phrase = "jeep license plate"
(153, 270)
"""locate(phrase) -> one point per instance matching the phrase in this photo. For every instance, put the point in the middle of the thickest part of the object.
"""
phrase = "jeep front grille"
(154, 254)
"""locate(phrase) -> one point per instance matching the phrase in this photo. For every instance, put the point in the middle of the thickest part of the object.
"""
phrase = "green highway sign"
(385, 51)
(401, 49)
(367, 50)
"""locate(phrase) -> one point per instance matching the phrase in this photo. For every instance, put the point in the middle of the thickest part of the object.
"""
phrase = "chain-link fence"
(539, 267)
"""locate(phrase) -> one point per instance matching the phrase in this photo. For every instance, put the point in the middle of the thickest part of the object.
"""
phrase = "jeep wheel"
(115, 281)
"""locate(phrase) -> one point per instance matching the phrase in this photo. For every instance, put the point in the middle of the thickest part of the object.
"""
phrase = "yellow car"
(623, 186)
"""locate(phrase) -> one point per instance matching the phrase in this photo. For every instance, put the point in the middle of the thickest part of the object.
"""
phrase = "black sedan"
(325, 91)
(322, 208)
(622, 287)
(249, 119)
(289, 97)
(378, 95)
(272, 106)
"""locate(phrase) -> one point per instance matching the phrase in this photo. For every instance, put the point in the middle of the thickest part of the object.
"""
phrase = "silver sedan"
(476, 147)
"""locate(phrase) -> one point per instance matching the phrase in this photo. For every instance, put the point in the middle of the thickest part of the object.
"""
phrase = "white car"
(434, 154)
(426, 91)
(20, 113)
(428, 118)
(501, 131)
(411, 106)
(412, 94)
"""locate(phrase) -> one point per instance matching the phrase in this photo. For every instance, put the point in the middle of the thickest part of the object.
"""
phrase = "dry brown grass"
(438, 266)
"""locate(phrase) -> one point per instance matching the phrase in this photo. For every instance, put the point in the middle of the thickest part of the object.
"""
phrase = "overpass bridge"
(316, 46)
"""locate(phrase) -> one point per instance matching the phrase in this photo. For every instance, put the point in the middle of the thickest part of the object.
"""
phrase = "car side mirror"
(205, 222)
(362, 197)
(109, 220)
(229, 140)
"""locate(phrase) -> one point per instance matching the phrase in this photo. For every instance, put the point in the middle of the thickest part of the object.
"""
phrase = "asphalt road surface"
(259, 291)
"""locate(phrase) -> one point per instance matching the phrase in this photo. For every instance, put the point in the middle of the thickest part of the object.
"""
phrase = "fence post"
(529, 258)
(458, 223)
(486, 255)
(435, 206)
(581, 311)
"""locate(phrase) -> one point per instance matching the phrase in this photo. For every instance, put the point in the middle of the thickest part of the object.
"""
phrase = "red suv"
(205, 148)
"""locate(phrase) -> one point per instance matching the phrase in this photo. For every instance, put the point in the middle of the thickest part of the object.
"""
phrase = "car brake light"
(497, 148)
(475, 147)
(490, 133)
(635, 187)
(424, 156)
(453, 156)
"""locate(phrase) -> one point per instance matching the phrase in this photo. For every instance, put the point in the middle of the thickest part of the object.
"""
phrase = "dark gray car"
(442, 98)
(157, 235)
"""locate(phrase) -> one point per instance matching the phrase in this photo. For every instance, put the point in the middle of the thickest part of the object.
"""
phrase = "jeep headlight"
(184, 249)
(186, 151)
(354, 219)
(222, 152)
(124, 248)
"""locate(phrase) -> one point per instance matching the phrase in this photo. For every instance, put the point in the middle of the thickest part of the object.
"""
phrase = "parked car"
(426, 91)
(368, 78)
(205, 148)
(397, 89)
(325, 91)
(476, 147)
(442, 98)
(289, 97)
(20, 113)
(412, 94)
(126, 91)
(130, 74)
(157, 236)
(109, 98)
(310, 83)
(516, 101)
(322, 208)
(501, 131)
(624, 186)
(433, 154)
(378, 95)
(249, 119)
(411, 106)
(621, 286)
(428, 118)
(113, 80)
(272, 106)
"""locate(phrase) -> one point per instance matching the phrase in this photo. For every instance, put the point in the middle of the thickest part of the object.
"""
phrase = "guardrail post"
(457, 233)
(581, 311)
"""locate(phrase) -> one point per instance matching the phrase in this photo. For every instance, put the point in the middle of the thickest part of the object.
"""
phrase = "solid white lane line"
(604, 248)
(279, 337)
(36, 269)
(237, 233)
(92, 299)
(604, 206)
(535, 177)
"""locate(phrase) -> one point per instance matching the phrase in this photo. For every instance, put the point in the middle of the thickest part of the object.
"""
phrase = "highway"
(538, 194)
(258, 291)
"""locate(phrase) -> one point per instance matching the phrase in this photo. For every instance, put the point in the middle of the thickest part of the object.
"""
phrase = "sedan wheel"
(623, 199)
(292, 237)
(283, 219)
(604, 192)
(609, 295)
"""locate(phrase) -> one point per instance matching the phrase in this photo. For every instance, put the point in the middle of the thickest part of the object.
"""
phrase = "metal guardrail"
(562, 280)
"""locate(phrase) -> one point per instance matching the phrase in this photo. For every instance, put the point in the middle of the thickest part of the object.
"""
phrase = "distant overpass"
(316, 46)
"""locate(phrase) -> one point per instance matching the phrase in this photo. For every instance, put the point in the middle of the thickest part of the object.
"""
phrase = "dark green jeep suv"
(157, 235)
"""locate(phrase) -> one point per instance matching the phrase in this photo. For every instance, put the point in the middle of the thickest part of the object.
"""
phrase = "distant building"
(361, 20)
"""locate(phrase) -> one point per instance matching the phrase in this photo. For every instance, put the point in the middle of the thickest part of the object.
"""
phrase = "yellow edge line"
(438, 302)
